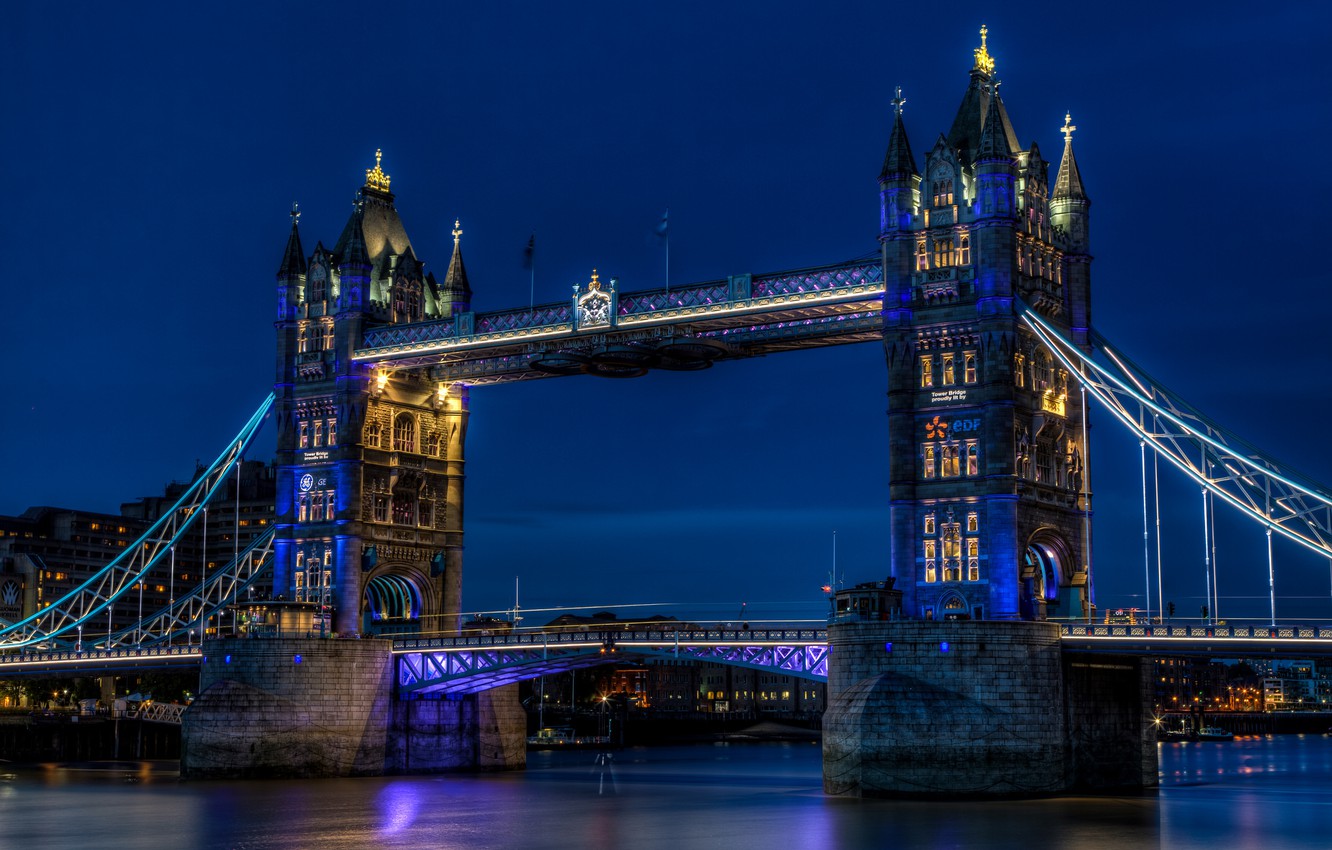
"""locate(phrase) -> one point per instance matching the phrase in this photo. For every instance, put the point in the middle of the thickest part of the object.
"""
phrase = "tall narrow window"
(964, 252)
(929, 523)
(927, 370)
(969, 367)
(404, 433)
(943, 251)
(332, 432)
(973, 458)
(404, 510)
(302, 337)
(922, 257)
(952, 553)
(318, 433)
(931, 562)
(381, 508)
(949, 372)
(973, 523)
(927, 466)
(327, 330)
(951, 462)
(374, 435)
(432, 444)
(303, 435)
(973, 559)
(1019, 371)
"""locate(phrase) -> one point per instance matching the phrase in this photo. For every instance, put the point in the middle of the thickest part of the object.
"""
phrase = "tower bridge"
(979, 292)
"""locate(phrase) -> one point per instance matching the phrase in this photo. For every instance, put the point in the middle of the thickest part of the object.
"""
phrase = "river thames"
(1262, 792)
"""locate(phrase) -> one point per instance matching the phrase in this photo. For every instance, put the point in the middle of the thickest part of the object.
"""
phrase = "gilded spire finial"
(457, 231)
(375, 178)
(899, 101)
(984, 61)
(1068, 128)
(295, 213)
(594, 283)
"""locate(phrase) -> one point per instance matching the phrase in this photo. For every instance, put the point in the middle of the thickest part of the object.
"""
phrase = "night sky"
(152, 153)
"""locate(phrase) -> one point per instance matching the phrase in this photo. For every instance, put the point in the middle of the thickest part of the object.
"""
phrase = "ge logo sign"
(307, 481)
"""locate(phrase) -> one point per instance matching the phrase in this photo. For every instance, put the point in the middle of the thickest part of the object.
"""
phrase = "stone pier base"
(979, 709)
(302, 708)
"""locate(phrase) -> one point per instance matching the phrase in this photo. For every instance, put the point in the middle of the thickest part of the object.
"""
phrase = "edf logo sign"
(939, 429)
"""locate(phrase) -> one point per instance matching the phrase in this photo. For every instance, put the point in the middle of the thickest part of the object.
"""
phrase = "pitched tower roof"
(974, 110)
(456, 285)
(899, 162)
(994, 141)
(1069, 182)
(293, 258)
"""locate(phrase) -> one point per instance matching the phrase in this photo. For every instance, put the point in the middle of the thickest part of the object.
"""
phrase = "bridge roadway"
(477, 662)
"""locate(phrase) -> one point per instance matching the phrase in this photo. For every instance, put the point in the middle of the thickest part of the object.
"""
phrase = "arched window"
(964, 252)
(404, 433)
(922, 257)
(927, 370)
(302, 338)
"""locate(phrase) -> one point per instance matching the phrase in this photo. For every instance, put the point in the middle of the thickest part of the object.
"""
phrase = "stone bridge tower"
(370, 462)
(990, 500)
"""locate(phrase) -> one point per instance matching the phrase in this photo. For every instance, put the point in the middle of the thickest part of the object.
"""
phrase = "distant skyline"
(154, 157)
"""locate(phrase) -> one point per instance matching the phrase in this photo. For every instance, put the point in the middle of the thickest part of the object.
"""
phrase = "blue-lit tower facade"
(990, 502)
(370, 461)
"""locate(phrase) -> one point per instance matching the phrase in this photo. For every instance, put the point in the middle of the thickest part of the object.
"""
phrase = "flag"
(664, 226)
(529, 252)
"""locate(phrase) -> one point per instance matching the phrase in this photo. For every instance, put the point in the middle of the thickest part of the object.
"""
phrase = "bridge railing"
(29, 658)
(1248, 633)
(658, 636)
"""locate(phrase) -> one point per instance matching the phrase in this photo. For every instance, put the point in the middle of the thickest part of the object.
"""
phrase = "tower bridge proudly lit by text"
(981, 298)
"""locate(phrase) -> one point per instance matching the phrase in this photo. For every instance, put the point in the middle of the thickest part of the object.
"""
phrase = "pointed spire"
(994, 142)
(293, 259)
(899, 163)
(1069, 182)
(457, 289)
(351, 245)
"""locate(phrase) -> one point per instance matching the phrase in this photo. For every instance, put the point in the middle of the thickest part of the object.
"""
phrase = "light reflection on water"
(1269, 793)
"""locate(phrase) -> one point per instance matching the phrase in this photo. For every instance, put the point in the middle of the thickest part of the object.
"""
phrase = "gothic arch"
(396, 593)
(1047, 565)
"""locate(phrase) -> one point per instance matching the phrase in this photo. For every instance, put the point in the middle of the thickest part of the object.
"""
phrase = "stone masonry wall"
(289, 707)
(944, 709)
(1112, 741)
(486, 731)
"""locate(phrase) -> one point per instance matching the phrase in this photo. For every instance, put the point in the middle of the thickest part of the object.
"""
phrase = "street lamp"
(78, 645)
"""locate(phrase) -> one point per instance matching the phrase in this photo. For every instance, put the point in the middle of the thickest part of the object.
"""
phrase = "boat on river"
(1214, 733)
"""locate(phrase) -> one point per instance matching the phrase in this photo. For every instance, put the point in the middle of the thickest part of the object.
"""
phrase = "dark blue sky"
(152, 154)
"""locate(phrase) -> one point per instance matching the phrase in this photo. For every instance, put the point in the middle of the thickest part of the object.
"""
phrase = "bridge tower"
(990, 502)
(370, 461)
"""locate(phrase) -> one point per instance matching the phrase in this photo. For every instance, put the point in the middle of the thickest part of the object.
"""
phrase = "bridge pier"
(308, 707)
(980, 709)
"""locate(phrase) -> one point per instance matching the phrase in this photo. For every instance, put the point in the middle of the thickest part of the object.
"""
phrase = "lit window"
(969, 367)
(964, 252)
(927, 370)
(973, 523)
(952, 553)
(950, 462)
(302, 338)
(328, 335)
(943, 192)
(404, 433)
(931, 562)
(332, 432)
(404, 510)
(929, 523)
(973, 559)
(949, 375)
(303, 435)
(922, 257)
(1019, 370)
(943, 251)
(928, 458)
(318, 433)
(973, 458)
